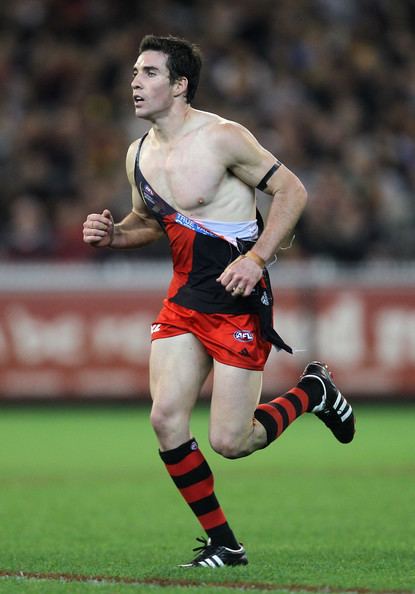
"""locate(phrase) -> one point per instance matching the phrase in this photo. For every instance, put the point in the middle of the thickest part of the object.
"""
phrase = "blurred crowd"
(328, 86)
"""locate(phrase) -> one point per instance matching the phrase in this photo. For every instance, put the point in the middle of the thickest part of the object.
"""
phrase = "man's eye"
(151, 74)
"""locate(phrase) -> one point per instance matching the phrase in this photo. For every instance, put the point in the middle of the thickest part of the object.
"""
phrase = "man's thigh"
(179, 365)
(235, 396)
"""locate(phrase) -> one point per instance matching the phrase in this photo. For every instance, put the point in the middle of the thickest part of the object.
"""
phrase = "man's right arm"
(137, 229)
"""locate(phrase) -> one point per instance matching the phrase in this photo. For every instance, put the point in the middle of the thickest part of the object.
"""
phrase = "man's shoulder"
(228, 136)
(220, 129)
(132, 150)
(130, 158)
(134, 145)
(215, 119)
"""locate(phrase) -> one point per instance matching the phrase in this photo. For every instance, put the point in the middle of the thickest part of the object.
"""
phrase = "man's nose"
(135, 83)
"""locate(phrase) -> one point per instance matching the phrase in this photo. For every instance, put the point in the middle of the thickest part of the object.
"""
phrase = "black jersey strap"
(140, 144)
(263, 183)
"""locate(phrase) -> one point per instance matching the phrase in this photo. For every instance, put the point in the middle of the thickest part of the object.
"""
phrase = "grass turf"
(83, 492)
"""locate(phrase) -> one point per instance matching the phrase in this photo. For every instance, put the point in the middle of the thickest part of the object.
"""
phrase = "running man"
(193, 177)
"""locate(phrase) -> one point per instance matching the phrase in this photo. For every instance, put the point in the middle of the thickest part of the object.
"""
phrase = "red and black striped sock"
(194, 479)
(279, 413)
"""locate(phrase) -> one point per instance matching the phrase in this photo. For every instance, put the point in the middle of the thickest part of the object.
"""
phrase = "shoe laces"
(204, 548)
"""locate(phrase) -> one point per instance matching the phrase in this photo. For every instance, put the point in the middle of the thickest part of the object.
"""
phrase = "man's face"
(152, 90)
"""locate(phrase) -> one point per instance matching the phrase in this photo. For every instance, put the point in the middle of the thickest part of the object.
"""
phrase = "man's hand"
(241, 276)
(99, 229)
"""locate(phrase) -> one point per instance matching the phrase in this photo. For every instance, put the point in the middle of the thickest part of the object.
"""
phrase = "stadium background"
(327, 86)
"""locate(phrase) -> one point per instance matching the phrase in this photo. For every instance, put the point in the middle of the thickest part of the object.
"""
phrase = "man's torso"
(191, 175)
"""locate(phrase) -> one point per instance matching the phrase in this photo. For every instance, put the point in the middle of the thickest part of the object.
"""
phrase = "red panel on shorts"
(230, 339)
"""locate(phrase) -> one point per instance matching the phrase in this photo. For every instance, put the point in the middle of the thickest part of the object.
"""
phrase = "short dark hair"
(183, 59)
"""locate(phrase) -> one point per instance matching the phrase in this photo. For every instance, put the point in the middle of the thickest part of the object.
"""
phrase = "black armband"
(263, 183)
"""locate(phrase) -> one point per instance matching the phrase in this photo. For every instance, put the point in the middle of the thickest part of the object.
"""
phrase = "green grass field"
(84, 495)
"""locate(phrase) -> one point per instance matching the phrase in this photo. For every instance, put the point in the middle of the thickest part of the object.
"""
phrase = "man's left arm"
(257, 167)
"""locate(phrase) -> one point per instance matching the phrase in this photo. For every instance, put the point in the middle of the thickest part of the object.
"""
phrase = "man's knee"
(168, 422)
(228, 446)
(162, 420)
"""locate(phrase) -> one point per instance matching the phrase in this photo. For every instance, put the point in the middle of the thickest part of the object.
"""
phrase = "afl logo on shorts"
(243, 335)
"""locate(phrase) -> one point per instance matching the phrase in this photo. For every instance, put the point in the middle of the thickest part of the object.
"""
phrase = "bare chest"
(188, 177)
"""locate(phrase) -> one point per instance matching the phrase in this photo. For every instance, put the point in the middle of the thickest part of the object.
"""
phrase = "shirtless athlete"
(193, 177)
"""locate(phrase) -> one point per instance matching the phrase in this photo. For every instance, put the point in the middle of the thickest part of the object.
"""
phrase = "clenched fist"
(99, 229)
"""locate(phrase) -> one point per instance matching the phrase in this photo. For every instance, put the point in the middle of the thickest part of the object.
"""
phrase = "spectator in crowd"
(28, 233)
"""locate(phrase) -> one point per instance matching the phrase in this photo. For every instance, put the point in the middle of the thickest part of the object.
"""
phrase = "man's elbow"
(300, 194)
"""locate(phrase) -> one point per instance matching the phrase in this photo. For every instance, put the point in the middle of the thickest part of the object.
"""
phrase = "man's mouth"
(137, 99)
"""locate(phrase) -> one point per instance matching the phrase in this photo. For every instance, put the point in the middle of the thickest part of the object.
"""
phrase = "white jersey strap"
(231, 230)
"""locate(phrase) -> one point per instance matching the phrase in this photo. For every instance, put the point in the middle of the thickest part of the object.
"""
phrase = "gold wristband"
(257, 259)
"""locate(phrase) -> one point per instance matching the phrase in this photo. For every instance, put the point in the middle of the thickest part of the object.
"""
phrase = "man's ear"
(180, 86)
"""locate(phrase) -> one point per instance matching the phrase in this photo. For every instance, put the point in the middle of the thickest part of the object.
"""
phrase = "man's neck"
(172, 125)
